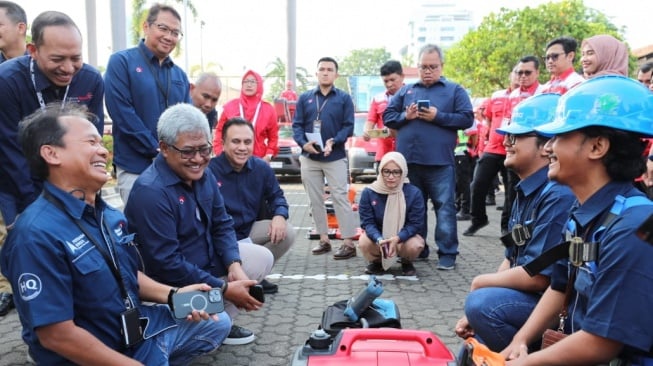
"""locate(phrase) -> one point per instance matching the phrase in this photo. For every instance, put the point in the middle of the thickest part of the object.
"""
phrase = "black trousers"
(464, 173)
(487, 168)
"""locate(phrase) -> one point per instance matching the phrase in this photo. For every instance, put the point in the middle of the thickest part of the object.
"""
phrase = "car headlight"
(356, 151)
(295, 150)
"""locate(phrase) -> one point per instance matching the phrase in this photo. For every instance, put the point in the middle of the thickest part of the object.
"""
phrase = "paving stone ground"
(433, 300)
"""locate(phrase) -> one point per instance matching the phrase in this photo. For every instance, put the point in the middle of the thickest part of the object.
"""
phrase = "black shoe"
(499, 208)
(424, 254)
(239, 335)
(460, 216)
(374, 268)
(473, 228)
(6, 303)
(407, 268)
(269, 287)
(490, 201)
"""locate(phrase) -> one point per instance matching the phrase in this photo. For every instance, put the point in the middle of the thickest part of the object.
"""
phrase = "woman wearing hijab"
(256, 111)
(603, 55)
(392, 215)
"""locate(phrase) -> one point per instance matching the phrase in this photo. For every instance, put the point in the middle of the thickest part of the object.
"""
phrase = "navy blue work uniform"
(613, 295)
(139, 89)
(371, 209)
(58, 275)
(189, 236)
(18, 99)
(246, 191)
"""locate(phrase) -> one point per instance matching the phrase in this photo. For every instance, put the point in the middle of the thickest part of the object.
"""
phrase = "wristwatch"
(173, 290)
(378, 241)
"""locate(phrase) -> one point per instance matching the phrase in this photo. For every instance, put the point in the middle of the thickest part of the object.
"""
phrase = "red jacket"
(266, 129)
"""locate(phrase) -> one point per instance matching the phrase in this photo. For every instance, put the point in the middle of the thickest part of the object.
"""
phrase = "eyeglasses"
(387, 173)
(204, 151)
(165, 29)
(553, 56)
(429, 67)
(524, 72)
(252, 82)
(512, 139)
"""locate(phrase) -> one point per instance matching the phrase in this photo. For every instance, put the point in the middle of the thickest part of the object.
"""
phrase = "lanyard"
(39, 95)
(164, 92)
(317, 101)
(110, 258)
(253, 121)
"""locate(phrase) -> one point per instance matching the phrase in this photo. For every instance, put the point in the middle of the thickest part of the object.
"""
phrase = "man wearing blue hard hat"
(499, 303)
(601, 291)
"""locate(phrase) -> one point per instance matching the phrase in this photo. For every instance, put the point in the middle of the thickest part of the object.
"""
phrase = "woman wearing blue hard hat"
(596, 150)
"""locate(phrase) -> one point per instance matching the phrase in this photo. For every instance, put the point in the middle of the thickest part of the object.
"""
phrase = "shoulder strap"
(563, 249)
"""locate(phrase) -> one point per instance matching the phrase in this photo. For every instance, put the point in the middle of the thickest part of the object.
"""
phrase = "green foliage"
(277, 71)
(483, 59)
(108, 144)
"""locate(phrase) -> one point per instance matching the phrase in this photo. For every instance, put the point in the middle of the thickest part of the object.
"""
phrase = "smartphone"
(183, 303)
(423, 104)
(256, 292)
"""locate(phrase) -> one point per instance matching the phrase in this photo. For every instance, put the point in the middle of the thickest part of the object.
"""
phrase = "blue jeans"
(497, 313)
(181, 344)
(439, 184)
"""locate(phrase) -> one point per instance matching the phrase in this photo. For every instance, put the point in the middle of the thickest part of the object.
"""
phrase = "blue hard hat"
(530, 112)
(612, 101)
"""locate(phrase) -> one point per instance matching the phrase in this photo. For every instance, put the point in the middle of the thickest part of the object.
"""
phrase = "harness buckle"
(581, 251)
(520, 234)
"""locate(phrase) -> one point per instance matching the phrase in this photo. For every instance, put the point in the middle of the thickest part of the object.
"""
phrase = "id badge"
(131, 330)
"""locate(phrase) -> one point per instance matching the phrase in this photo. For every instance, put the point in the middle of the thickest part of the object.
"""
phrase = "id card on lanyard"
(39, 95)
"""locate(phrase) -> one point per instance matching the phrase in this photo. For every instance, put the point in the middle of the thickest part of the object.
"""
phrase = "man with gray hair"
(427, 115)
(205, 93)
(181, 224)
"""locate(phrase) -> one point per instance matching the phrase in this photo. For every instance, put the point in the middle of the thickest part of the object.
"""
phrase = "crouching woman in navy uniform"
(596, 150)
(392, 214)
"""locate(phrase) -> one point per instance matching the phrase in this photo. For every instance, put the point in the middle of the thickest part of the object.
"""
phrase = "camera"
(423, 104)
(183, 303)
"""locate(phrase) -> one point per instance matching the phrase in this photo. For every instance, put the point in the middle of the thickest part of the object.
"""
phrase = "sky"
(250, 34)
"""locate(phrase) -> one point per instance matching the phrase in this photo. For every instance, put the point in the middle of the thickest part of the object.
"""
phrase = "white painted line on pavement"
(341, 277)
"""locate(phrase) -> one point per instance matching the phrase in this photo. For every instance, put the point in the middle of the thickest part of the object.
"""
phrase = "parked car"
(287, 160)
(361, 153)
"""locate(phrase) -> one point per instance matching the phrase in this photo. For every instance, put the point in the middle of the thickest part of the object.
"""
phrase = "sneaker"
(407, 268)
(446, 263)
(344, 252)
(374, 268)
(460, 216)
(474, 227)
(490, 201)
(424, 253)
(239, 335)
(269, 287)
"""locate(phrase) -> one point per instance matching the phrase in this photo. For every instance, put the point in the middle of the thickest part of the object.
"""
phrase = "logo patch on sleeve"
(29, 285)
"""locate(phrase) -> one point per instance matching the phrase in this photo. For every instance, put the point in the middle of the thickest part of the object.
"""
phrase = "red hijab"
(249, 102)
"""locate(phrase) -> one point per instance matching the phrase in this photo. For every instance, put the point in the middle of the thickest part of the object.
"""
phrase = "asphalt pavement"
(432, 300)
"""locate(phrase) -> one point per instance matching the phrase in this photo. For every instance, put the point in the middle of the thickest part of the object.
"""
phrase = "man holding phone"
(185, 233)
(426, 136)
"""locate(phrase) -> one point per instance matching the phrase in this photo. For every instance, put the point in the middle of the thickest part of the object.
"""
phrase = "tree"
(366, 61)
(483, 59)
(278, 72)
